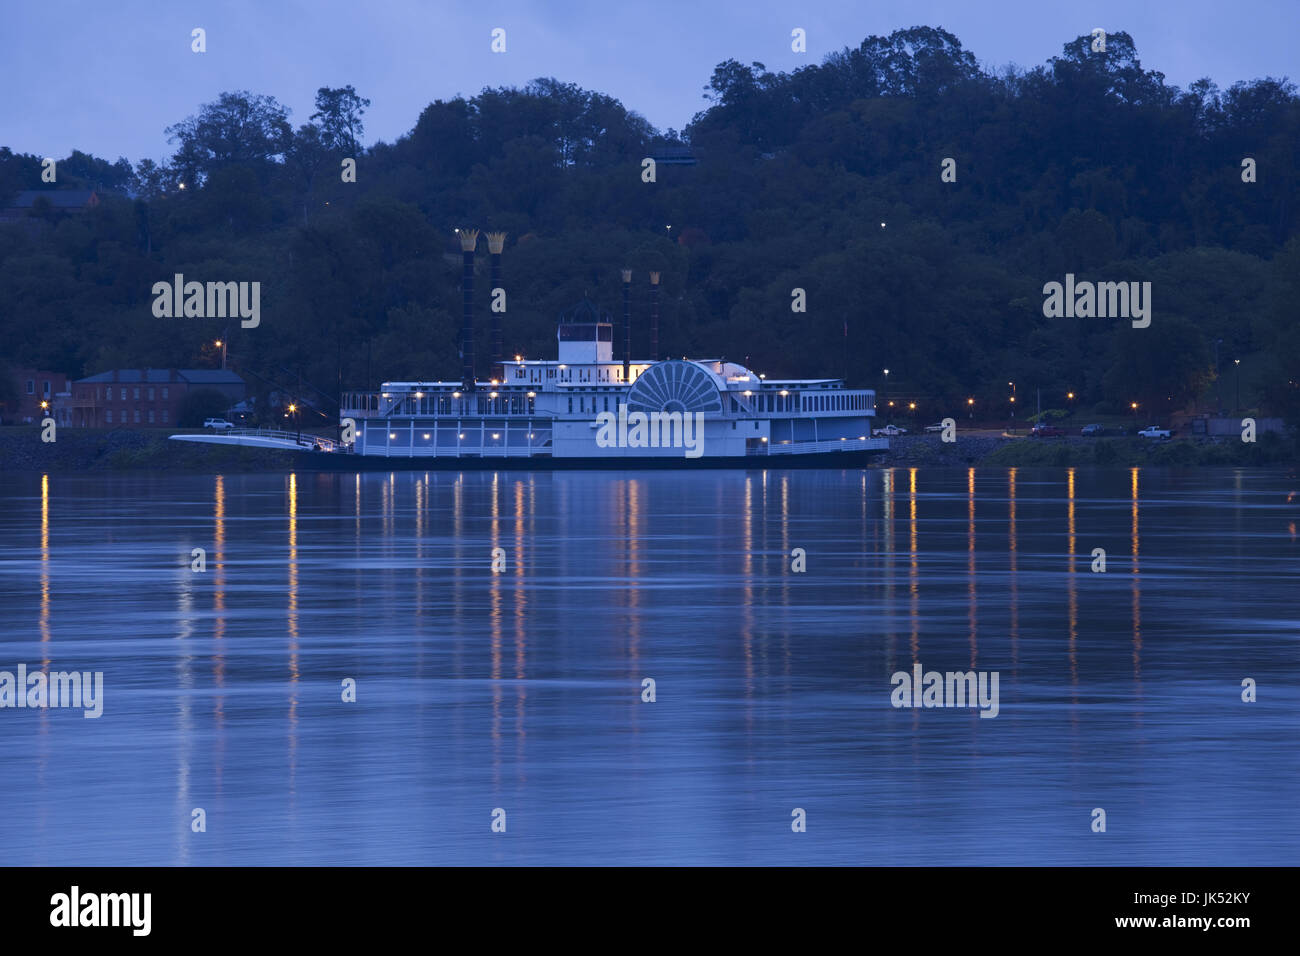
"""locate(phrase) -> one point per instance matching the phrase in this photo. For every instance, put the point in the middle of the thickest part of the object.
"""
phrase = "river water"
(225, 737)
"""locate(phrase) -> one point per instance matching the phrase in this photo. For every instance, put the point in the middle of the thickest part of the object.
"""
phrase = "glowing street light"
(970, 404)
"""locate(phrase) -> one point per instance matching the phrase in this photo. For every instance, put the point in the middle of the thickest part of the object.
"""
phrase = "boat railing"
(305, 440)
(836, 444)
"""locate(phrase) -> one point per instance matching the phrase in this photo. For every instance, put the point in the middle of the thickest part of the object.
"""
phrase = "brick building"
(34, 386)
(148, 396)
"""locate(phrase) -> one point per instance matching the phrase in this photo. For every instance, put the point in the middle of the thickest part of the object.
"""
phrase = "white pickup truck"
(217, 424)
(1151, 431)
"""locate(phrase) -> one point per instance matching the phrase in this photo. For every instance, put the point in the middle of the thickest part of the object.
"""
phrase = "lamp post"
(297, 421)
(1013, 407)
(221, 344)
(970, 405)
(1218, 380)
(885, 387)
(1237, 404)
(1134, 406)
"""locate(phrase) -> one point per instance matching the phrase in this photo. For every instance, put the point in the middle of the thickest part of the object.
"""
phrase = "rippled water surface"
(522, 689)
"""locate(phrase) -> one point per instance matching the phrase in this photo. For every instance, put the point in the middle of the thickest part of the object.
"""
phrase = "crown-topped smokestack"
(627, 325)
(496, 242)
(468, 240)
(654, 316)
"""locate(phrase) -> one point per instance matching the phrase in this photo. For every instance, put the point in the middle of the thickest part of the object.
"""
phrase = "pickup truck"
(1151, 431)
(1092, 430)
(889, 431)
(217, 424)
(1044, 430)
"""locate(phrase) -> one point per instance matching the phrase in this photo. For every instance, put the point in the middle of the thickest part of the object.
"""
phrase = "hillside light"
(911, 406)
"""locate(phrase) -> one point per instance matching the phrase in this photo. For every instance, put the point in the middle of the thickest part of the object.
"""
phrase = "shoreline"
(125, 449)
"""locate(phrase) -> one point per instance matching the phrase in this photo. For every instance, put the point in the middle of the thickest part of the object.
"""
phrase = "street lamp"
(1134, 406)
(293, 410)
(221, 344)
(1218, 379)
(1013, 407)
(1237, 405)
(970, 404)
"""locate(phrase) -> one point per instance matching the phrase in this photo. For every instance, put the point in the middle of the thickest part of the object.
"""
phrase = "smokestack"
(627, 324)
(496, 242)
(654, 316)
(468, 240)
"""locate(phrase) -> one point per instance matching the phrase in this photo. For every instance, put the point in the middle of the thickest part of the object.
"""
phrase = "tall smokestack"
(627, 325)
(654, 316)
(496, 242)
(468, 240)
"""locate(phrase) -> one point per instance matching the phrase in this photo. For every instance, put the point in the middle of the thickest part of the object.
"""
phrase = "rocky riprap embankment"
(1076, 451)
(79, 449)
(930, 450)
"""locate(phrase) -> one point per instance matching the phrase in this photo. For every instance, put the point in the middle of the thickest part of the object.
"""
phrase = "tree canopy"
(827, 178)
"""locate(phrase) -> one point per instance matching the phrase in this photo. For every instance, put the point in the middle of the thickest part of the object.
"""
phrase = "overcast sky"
(108, 78)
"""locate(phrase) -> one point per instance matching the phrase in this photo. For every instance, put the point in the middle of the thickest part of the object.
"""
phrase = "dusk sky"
(109, 78)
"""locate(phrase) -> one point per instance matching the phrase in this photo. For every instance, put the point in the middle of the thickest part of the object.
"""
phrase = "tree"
(238, 129)
(201, 404)
(339, 111)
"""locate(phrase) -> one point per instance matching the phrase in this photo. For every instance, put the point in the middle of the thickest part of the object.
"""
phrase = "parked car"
(1151, 431)
(217, 424)
(936, 427)
(1092, 430)
(889, 431)
(1044, 430)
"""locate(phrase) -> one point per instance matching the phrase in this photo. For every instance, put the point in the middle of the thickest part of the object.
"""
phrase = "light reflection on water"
(522, 688)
